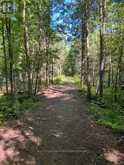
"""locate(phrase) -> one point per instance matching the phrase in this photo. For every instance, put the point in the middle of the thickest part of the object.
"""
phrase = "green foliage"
(13, 108)
(65, 80)
(108, 114)
(30, 104)
(69, 68)
(70, 64)
(8, 108)
(106, 111)
(108, 117)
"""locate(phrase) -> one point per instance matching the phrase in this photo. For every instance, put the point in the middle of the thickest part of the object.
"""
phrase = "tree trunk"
(52, 71)
(47, 61)
(117, 78)
(88, 72)
(93, 73)
(5, 56)
(27, 51)
(110, 72)
(10, 53)
(102, 49)
(83, 43)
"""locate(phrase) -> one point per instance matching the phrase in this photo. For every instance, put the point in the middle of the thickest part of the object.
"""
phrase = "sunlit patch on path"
(52, 93)
(114, 156)
(13, 139)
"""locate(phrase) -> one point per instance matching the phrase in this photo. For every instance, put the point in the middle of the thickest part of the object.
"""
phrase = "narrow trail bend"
(59, 133)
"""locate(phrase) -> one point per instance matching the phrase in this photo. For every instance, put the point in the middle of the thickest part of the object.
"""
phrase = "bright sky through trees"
(63, 19)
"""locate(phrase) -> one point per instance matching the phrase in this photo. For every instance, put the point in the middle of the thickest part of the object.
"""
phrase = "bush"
(57, 81)
(8, 108)
(12, 108)
(30, 104)
(112, 117)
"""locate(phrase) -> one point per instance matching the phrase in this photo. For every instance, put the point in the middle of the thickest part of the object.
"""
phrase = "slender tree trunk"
(47, 74)
(5, 56)
(84, 35)
(110, 72)
(82, 54)
(101, 67)
(37, 71)
(47, 62)
(93, 73)
(36, 83)
(10, 53)
(112, 77)
(52, 71)
(27, 51)
(102, 49)
(88, 79)
(117, 78)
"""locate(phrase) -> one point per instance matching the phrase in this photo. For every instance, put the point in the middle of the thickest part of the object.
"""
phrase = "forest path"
(59, 133)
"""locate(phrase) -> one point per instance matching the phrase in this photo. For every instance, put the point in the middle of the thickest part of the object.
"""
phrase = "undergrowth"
(12, 108)
(65, 80)
(107, 112)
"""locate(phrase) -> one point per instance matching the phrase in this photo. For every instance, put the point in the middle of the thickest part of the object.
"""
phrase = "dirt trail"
(59, 133)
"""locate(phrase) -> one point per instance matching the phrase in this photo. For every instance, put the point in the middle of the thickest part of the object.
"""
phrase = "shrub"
(112, 117)
(12, 108)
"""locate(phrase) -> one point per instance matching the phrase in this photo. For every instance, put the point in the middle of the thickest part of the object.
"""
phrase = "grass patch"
(112, 118)
(107, 112)
(13, 108)
(65, 80)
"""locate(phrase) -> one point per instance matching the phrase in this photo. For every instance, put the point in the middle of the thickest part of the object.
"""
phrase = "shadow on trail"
(58, 133)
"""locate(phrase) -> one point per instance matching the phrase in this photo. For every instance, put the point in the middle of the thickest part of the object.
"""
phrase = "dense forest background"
(45, 42)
